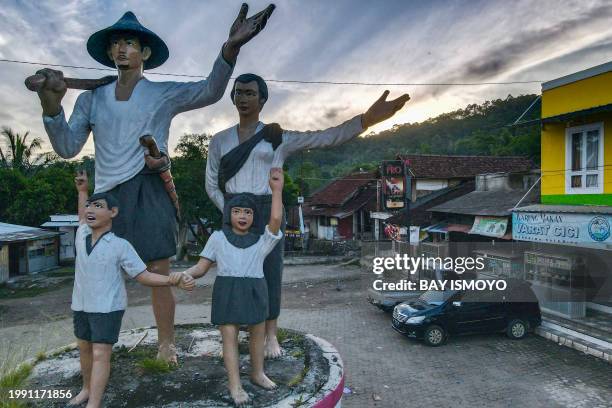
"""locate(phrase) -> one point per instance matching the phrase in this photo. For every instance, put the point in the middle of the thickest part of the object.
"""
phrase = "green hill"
(474, 130)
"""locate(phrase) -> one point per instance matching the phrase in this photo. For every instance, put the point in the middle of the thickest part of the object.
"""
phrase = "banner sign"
(575, 229)
(490, 226)
(394, 187)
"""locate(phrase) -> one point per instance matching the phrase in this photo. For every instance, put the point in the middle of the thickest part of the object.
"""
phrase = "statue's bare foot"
(167, 353)
(272, 349)
(263, 381)
(80, 398)
(240, 396)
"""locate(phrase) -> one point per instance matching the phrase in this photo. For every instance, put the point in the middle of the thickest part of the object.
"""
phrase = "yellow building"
(577, 138)
(567, 253)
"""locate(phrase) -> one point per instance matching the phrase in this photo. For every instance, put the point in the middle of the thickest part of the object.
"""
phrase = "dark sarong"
(147, 218)
(273, 264)
(239, 300)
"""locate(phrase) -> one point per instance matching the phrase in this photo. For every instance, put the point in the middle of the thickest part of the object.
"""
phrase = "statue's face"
(247, 99)
(242, 219)
(126, 51)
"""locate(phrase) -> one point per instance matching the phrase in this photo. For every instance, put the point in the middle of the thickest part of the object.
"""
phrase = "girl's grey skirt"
(238, 300)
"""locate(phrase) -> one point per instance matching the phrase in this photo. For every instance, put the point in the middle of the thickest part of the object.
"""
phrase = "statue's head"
(242, 209)
(249, 93)
(127, 44)
(127, 50)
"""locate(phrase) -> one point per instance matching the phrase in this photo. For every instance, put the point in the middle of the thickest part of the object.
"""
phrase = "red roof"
(445, 167)
(342, 189)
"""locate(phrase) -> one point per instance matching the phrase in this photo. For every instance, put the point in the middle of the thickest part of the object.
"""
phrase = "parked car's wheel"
(517, 329)
(434, 335)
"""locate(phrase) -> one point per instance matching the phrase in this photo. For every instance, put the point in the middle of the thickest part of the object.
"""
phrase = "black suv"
(435, 314)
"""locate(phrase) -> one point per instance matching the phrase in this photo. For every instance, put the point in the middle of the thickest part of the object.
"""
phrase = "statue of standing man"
(240, 159)
(118, 115)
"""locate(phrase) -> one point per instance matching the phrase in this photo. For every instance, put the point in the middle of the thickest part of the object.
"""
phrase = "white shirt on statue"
(99, 286)
(240, 262)
(118, 125)
(254, 176)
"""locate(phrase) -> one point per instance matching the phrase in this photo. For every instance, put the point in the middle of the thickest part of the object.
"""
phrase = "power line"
(557, 172)
(292, 81)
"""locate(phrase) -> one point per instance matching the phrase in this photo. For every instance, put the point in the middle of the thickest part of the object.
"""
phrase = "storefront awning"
(459, 228)
(439, 227)
(577, 114)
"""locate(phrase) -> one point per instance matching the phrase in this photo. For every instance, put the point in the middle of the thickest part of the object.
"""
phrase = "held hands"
(182, 280)
(52, 91)
(382, 109)
(245, 28)
(277, 179)
(81, 181)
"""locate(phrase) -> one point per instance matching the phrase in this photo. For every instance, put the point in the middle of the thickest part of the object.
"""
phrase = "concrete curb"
(575, 340)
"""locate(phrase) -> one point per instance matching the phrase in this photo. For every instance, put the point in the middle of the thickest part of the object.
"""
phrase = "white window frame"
(568, 160)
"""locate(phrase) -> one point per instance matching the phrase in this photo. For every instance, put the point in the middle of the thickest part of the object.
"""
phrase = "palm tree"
(20, 153)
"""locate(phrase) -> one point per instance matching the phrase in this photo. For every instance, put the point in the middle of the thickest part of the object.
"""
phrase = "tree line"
(35, 185)
(477, 129)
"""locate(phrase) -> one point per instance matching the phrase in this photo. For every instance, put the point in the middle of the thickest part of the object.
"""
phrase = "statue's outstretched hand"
(245, 28)
(382, 109)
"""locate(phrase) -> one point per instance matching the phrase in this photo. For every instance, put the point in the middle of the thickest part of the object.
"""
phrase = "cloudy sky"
(319, 40)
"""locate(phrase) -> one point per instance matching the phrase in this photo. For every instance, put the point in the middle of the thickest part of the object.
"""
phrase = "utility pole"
(407, 199)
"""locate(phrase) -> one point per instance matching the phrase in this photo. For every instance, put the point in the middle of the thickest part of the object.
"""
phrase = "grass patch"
(299, 402)
(8, 293)
(16, 378)
(3, 310)
(299, 377)
(281, 335)
(58, 273)
(298, 354)
(155, 366)
(41, 356)
(34, 290)
(12, 403)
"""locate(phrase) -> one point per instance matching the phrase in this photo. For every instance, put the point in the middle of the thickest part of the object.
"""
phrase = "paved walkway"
(383, 368)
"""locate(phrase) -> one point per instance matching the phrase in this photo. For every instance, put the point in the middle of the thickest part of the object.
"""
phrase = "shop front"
(568, 261)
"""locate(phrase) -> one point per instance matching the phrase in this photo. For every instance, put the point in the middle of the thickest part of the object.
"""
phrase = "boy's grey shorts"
(97, 327)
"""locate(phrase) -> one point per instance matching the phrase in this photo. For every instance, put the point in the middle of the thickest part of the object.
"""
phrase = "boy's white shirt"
(99, 286)
(240, 262)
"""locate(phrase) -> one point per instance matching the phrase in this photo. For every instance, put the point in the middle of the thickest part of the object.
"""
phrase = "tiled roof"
(444, 167)
(418, 210)
(342, 189)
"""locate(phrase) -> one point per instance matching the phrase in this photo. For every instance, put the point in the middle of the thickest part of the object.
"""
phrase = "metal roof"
(60, 224)
(14, 233)
(573, 209)
(564, 117)
(491, 203)
(578, 76)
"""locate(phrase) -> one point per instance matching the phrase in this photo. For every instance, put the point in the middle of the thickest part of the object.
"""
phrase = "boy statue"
(99, 298)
